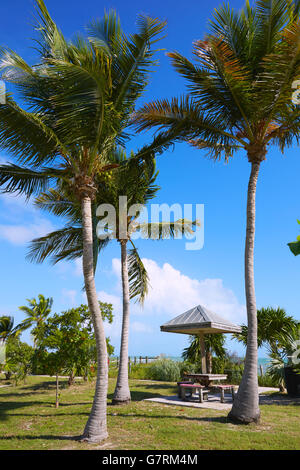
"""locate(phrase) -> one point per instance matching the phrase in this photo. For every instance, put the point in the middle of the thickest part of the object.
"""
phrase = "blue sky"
(180, 279)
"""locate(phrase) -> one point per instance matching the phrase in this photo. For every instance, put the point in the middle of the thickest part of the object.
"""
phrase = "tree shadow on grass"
(27, 390)
(159, 390)
(7, 409)
(46, 437)
(278, 399)
(210, 419)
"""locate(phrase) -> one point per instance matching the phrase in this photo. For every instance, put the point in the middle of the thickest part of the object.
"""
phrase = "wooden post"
(140, 359)
(146, 359)
(134, 359)
(203, 355)
(261, 370)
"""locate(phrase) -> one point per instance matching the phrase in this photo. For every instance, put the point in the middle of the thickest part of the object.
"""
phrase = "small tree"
(214, 344)
(18, 359)
(70, 341)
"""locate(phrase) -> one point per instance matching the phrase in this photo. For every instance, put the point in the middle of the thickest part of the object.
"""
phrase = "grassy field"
(29, 420)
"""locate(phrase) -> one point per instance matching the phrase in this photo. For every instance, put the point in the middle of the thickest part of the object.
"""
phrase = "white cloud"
(172, 292)
(22, 234)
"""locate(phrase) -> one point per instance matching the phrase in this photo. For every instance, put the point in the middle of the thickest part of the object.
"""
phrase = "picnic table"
(205, 379)
(206, 383)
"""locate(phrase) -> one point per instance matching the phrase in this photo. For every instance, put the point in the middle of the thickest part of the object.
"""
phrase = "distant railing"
(133, 360)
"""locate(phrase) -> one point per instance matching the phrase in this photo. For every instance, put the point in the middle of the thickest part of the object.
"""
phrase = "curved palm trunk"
(96, 427)
(122, 392)
(245, 407)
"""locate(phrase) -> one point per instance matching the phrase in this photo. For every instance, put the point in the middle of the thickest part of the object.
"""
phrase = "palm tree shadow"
(160, 391)
(208, 419)
(279, 399)
(46, 437)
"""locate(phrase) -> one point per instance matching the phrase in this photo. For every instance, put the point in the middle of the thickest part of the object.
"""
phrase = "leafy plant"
(214, 344)
(295, 246)
(165, 370)
(18, 359)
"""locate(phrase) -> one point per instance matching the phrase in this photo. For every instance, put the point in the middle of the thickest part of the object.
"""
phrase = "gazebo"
(200, 321)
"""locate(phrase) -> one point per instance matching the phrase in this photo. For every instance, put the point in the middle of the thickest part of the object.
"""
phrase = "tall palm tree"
(78, 102)
(134, 180)
(214, 344)
(37, 313)
(239, 98)
(138, 185)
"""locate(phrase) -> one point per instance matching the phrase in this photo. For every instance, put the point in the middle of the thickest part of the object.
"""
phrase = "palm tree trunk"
(96, 427)
(245, 407)
(209, 361)
(122, 392)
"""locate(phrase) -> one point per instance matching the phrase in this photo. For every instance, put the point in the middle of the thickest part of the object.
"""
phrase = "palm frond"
(16, 179)
(26, 137)
(138, 276)
(67, 241)
(166, 230)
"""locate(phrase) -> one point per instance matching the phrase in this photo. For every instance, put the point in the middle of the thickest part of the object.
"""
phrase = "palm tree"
(79, 99)
(272, 326)
(285, 354)
(37, 313)
(7, 331)
(137, 184)
(134, 180)
(214, 344)
(239, 98)
(7, 328)
(274, 329)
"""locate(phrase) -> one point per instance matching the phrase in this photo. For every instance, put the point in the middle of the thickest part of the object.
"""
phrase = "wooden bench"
(222, 388)
(183, 382)
(203, 392)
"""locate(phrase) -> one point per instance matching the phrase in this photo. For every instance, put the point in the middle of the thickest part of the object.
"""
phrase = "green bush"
(267, 380)
(165, 370)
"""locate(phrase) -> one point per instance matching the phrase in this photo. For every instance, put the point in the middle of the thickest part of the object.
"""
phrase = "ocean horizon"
(263, 361)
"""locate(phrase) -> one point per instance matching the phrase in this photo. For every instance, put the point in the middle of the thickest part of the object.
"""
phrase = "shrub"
(267, 380)
(165, 370)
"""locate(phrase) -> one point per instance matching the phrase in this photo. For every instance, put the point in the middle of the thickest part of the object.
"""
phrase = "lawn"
(29, 420)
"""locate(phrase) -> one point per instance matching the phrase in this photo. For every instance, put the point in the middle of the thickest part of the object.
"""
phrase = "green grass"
(29, 420)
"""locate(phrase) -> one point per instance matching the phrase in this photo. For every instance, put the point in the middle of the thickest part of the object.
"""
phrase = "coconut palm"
(214, 344)
(37, 313)
(134, 180)
(7, 328)
(137, 185)
(239, 99)
(78, 101)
